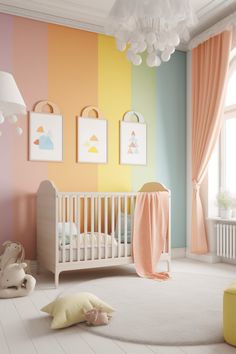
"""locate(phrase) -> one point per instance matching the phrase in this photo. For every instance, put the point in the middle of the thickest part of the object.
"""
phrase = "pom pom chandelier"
(154, 26)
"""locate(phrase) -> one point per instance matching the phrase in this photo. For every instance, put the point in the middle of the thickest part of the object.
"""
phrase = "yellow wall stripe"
(114, 99)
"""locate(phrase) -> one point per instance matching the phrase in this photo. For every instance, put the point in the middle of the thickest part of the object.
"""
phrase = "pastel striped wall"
(74, 69)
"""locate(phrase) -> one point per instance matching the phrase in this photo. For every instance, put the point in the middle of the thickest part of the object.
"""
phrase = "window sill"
(217, 218)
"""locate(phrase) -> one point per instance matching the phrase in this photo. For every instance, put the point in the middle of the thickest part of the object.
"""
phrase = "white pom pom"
(171, 50)
(142, 46)
(137, 37)
(2, 119)
(130, 54)
(165, 56)
(134, 47)
(150, 49)
(137, 60)
(161, 46)
(162, 40)
(151, 38)
(157, 61)
(121, 46)
(151, 60)
(174, 40)
(19, 130)
(13, 119)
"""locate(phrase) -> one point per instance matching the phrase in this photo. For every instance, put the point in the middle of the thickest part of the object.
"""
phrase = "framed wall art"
(133, 144)
(92, 137)
(45, 135)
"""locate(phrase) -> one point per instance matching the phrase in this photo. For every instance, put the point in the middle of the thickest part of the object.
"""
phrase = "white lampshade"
(11, 101)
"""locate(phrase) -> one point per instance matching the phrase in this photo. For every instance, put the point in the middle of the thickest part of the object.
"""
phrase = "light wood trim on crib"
(153, 187)
(47, 243)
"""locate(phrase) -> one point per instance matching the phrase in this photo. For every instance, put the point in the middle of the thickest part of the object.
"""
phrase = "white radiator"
(226, 233)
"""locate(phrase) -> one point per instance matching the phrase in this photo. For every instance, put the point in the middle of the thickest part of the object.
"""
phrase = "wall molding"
(206, 258)
(77, 15)
(226, 24)
(90, 24)
(178, 253)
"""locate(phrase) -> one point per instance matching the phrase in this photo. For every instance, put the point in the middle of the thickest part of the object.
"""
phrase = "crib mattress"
(120, 246)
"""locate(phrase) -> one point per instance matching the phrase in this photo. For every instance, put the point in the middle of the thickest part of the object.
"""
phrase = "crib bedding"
(87, 240)
(116, 251)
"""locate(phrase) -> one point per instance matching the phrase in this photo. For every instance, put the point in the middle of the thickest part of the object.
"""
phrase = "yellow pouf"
(230, 315)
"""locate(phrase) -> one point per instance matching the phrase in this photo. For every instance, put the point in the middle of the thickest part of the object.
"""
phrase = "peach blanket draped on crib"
(151, 223)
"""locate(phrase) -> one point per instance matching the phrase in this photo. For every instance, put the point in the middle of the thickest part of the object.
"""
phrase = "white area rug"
(186, 310)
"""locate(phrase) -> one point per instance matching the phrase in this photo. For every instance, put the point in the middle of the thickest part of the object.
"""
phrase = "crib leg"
(56, 279)
(168, 266)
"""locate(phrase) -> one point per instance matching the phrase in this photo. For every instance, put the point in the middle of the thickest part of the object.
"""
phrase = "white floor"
(22, 330)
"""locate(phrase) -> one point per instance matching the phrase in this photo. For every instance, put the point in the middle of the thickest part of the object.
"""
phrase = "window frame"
(229, 112)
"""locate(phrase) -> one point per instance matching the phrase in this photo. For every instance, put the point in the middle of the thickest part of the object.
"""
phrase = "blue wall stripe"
(171, 139)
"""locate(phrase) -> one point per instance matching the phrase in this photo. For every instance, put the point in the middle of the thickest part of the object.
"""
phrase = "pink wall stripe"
(30, 58)
(6, 142)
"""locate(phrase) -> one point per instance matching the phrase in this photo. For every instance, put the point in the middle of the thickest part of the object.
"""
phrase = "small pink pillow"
(96, 317)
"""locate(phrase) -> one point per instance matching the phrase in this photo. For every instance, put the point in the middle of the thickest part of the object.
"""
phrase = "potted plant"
(224, 201)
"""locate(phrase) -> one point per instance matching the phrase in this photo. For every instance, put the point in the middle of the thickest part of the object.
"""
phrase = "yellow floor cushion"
(230, 315)
(70, 309)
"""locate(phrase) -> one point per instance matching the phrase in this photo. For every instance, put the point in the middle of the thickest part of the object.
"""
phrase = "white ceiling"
(91, 14)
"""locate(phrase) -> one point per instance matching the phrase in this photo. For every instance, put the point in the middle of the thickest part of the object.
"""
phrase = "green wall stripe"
(144, 93)
(171, 139)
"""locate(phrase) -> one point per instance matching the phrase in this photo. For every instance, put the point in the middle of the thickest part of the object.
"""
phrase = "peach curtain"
(210, 62)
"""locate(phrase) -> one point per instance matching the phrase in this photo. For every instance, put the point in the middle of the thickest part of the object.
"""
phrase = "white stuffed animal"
(14, 252)
(14, 282)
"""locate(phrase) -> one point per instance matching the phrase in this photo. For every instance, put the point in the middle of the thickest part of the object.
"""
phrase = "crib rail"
(94, 225)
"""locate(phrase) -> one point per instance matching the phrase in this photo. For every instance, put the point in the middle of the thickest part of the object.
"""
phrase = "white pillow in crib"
(68, 225)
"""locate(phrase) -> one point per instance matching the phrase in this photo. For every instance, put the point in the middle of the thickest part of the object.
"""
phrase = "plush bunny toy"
(14, 252)
(14, 282)
(96, 317)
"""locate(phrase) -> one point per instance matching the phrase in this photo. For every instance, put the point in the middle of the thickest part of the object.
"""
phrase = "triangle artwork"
(133, 144)
(92, 144)
(44, 139)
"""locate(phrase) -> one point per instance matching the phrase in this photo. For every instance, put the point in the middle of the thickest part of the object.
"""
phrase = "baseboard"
(178, 253)
(207, 258)
(31, 266)
(228, 260)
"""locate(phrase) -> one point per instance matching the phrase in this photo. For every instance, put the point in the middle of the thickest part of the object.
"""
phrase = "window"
(222, 165)
(228, 135)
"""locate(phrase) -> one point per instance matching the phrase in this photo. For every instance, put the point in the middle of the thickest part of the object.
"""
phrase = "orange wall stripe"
(72, 80)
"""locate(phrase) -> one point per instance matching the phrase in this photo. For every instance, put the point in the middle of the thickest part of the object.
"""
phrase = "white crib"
(78, 230)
